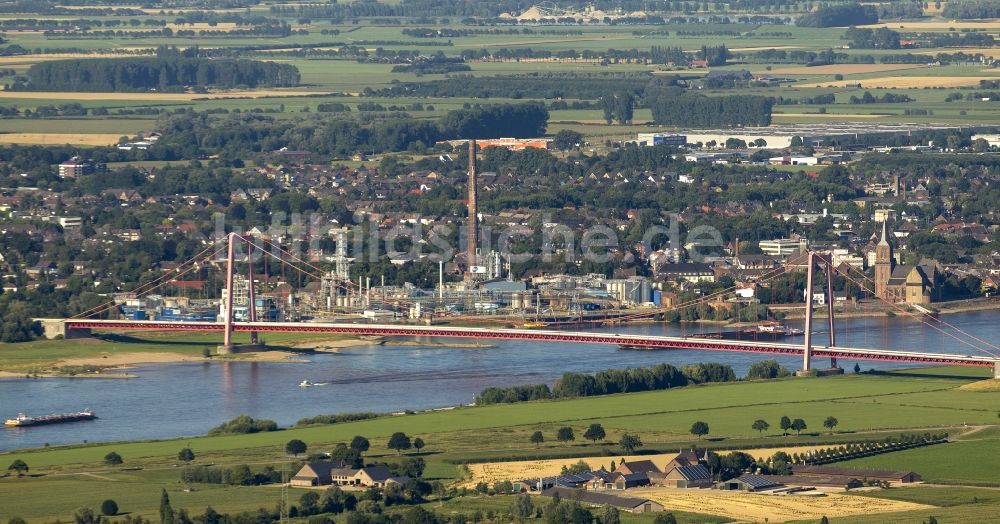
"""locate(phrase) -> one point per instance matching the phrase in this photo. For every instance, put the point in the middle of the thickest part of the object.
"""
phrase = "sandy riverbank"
(114, 365)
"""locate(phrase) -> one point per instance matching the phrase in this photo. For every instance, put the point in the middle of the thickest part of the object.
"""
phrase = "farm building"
(629, 504)
(833, 472)
(751, 483)
(692, 476)
(318, 473)
(324, 473)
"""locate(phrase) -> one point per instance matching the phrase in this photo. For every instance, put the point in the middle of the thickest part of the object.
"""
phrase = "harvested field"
(983, 385)
(554, 41)
(752, 507)
(907, 82)
(491, 472)
(73, 139)
(161, 97)
(766, 47)
(842, 69)
(826, 115)
(21, 59)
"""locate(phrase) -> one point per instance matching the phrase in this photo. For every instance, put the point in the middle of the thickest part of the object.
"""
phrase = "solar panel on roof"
(756, 481)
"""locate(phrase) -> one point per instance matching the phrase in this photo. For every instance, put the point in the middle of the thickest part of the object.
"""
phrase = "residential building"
(688, 271)
(783, 247)
(655, 139)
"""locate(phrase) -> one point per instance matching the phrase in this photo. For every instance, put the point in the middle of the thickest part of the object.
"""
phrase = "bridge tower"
(826, 261)
(227, 338)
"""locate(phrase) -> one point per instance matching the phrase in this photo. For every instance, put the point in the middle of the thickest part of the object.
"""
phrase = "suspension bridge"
(980, 353)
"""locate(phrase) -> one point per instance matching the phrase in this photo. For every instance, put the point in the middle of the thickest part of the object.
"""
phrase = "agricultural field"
(868, 406)
(329, 74)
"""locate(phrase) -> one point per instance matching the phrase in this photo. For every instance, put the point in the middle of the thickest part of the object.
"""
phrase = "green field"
(868, 407)
(347, 75)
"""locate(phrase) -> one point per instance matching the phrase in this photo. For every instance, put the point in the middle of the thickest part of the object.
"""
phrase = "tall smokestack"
(473, 224)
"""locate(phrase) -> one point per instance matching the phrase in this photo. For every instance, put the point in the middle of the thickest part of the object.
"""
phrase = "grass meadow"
(868, 407)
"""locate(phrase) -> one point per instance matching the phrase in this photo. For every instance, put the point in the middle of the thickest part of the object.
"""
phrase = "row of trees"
(839, 15)
(159, 73)
(694, 110)
(629, 380)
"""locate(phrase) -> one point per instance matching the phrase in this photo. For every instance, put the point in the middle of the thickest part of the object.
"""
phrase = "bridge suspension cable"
(937, 319)
(166, 278)
(921, 320)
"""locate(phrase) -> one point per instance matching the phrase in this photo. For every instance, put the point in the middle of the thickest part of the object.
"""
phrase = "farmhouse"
(870, 474)
(632, 505)
(317, 473)
(337, 473)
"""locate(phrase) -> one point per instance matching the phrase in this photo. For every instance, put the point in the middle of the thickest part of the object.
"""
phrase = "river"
(187, 399)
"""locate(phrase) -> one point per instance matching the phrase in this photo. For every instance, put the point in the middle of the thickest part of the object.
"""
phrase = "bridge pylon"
(826, 261)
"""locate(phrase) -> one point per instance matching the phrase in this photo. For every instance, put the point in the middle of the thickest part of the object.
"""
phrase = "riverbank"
(797, 311)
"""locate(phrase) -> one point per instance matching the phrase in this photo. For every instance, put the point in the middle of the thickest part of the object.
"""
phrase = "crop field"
(329, 75)
(869, 407)
(152, 97)
(753, 507)
(907, 82)
(844, 69)
(73, 139)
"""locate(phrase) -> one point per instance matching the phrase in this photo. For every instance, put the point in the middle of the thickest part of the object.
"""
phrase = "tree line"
(611, 381)
(536, 85)
(971, 9)
(174, 73)
(839, 15)
(694, 110)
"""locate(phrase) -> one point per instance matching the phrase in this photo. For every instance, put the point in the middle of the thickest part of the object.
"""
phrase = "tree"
(664, 518)
(567, 139)
(418, 444)
(565, 434)
(537, 438)
(295, 446)
(760, 425)
(786, 424)
(185, 454)
(830, 423)
(595, 432)
(618, 107)
(699, 429)
(798, 425)
(360, 444)
(857, 367)
(113, 459)
(109, 508)
(399, 442)
(523, 507)
(609, 515)
(630, 443)
(166, 512)
(19, 466)
(309, 503)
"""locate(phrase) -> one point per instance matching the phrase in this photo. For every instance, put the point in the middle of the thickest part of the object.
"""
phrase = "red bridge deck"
(651, 341)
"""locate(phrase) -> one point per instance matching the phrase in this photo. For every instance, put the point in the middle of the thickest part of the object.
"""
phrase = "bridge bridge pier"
(807, 370)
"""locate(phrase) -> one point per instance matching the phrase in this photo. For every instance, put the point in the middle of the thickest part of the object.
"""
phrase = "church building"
(912, 284)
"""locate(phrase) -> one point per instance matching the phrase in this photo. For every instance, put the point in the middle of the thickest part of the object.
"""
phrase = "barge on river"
(22, 420)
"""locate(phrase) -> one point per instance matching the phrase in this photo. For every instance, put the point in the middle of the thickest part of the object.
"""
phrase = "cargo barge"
(22, 420)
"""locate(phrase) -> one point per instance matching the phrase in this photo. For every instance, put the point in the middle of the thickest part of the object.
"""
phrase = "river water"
(187, 399)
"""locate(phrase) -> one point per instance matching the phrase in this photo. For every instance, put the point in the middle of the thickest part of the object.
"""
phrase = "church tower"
(884, 263)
